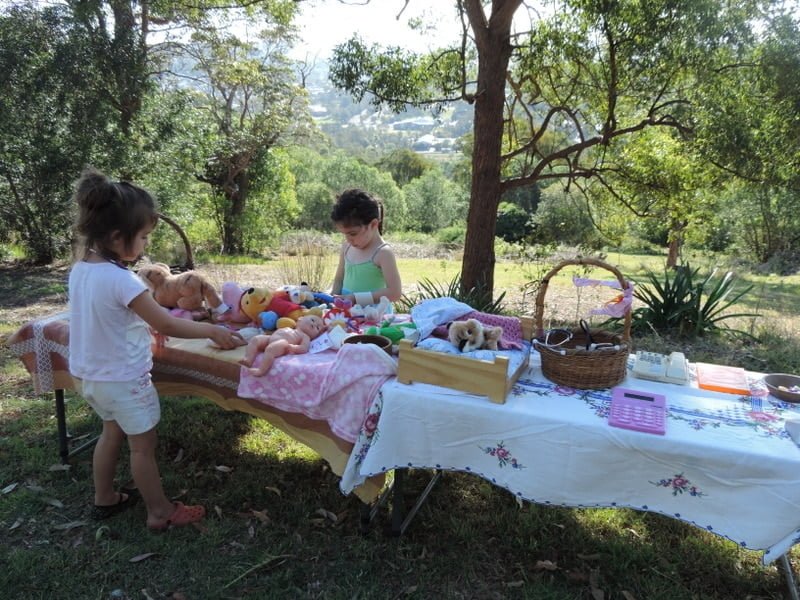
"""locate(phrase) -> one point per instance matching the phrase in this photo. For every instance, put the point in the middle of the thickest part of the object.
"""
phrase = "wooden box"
(485, 377)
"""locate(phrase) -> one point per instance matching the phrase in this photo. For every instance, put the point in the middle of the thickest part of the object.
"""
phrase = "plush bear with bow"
(473, 335)
(189, 291)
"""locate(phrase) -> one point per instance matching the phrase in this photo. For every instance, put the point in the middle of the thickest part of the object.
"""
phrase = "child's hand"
(225, 338)
(159, 338)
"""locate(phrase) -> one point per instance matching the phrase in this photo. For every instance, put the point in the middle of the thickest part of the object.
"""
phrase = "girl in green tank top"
(367, 266)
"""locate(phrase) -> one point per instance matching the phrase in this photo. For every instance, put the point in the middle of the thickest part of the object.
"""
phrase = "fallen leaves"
(141, 557)
(70, 525)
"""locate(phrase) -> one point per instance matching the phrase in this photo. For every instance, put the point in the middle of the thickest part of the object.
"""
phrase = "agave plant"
(430, 289)
(676, 301)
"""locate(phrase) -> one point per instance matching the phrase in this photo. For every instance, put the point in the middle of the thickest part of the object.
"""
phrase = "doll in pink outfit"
(286, 340)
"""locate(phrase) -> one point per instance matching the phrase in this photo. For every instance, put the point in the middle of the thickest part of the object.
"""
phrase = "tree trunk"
(675, 244)
(235, 192)
(494, 52)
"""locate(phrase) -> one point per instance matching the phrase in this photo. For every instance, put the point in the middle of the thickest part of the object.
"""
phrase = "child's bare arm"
(394, 286)
(159, 319)
(336, 288)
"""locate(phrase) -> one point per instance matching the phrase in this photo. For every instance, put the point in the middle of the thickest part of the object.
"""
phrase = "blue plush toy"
(268, 320)
(323, 298)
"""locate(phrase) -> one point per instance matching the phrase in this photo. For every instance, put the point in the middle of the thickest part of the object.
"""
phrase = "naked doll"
(286, 340)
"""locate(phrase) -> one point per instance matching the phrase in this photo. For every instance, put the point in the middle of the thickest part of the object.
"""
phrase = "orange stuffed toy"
(187, 291)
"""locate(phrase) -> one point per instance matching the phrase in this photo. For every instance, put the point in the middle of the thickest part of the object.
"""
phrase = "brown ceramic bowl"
(776, 381)
(379, 340)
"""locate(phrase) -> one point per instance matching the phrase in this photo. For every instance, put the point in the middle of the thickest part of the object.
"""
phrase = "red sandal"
(183, 515)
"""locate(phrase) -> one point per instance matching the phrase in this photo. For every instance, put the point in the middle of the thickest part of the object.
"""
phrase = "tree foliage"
(556, 96)
(51, 125)
(255, 104)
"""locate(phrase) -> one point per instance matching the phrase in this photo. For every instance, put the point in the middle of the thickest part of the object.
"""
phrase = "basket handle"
(596, 262)
(189, 265)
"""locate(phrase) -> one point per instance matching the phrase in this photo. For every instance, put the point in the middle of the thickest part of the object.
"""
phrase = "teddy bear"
(188, 291)
(473, 335)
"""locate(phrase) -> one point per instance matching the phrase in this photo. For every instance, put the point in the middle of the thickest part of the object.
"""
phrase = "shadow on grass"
(278, 527)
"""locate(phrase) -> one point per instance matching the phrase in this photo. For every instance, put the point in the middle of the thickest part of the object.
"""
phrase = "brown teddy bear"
(473, 335)
(187, 291)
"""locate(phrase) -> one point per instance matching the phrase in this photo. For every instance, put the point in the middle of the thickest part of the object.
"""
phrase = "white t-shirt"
(107, 340)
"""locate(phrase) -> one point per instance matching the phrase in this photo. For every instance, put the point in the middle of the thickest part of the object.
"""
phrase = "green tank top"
(363, 277)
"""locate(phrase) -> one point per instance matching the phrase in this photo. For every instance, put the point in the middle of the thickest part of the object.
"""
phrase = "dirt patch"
(28, 291)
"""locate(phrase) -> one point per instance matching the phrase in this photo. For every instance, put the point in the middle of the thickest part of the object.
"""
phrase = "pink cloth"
(616, 307)
(512, 329)
(337, 387)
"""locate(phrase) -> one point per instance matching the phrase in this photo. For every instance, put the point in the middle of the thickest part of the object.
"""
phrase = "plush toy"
(301, 294)
(339, 315)
(395, 332)
(256, 300)
(473, 335)
(374, 313)
(188, 291)
(232, 296)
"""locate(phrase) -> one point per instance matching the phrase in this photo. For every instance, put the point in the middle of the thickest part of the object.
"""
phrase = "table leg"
(368, 512)
(789, 575)
(63, 436)
(61, 420)
(400, 524)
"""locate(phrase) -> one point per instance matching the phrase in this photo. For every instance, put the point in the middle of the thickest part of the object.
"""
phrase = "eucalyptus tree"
(553, 85)
(51, 125)
(749, 128)
(131, 42)
(249, 91)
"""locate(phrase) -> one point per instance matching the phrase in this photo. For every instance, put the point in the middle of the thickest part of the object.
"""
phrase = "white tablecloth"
(726, 463)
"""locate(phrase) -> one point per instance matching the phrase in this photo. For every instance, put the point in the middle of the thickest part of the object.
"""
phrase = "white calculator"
(640, 411)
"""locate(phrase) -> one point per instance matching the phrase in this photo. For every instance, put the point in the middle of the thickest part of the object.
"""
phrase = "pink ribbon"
(613, 308)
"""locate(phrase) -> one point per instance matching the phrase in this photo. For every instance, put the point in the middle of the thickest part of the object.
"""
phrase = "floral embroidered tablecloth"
(726, 463)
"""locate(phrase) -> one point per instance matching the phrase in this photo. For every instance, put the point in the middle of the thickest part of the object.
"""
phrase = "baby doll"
(285, 340)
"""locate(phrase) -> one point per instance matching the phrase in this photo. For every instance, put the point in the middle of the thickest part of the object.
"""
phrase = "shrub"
(452, 236)
(307, 257)
(431, 289)
(680, 302)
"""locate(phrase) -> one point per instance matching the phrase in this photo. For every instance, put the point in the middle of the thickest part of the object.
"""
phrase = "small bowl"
(379, 340)
(777, 380)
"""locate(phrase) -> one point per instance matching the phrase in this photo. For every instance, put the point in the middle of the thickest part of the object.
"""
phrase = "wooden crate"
(485, 377)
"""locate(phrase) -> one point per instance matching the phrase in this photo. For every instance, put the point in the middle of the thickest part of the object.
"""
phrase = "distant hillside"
(359, 127)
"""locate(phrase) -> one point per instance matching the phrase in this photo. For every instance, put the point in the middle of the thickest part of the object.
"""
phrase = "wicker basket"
(571, 364)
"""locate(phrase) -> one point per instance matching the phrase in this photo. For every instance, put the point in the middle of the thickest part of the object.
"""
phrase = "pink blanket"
(337, 387)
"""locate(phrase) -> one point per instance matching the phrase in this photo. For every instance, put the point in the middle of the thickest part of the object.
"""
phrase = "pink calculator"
(640, 411)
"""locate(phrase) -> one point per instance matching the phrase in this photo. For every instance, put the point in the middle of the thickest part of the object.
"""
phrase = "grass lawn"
(278, 526)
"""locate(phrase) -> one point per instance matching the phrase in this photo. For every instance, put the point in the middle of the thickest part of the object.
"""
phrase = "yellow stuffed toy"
(187, 291)
(271, 309)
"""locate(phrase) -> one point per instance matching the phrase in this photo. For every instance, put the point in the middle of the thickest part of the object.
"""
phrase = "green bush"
(452, 236)
(681, 302)
(513, 223)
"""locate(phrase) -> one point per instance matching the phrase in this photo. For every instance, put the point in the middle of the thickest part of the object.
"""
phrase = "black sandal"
(104, 512)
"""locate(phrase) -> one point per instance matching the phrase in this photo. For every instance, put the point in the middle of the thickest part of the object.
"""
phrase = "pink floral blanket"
(337, 387)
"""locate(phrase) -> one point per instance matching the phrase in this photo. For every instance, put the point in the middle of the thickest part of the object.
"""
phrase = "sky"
(326, 23)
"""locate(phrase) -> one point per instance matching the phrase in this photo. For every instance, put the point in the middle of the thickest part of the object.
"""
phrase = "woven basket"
(571, 364)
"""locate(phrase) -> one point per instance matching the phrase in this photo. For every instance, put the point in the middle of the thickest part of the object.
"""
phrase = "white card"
(321, 343)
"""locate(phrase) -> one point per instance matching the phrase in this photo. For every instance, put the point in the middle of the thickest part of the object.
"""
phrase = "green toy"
(395, 332)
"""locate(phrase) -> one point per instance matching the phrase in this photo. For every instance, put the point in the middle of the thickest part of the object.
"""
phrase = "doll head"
(311, 325)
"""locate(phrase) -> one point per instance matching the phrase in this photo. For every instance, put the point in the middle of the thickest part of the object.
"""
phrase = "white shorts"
(132, 404)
